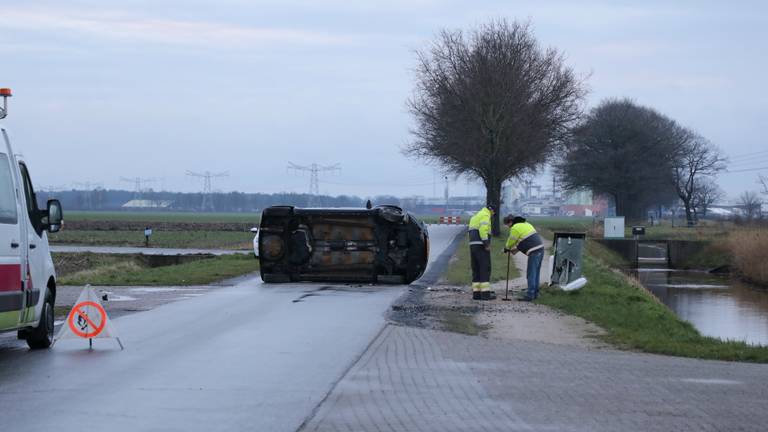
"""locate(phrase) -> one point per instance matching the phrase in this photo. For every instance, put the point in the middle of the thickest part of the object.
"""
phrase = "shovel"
(506, 290)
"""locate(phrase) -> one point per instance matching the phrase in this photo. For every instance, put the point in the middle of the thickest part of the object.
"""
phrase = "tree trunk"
(493, 197)
(688, 213)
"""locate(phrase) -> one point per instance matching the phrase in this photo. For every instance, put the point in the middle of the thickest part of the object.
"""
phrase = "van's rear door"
(11, 243)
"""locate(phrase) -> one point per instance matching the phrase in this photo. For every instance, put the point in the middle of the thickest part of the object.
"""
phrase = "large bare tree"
(626, 151)
(750, 203)
(696, 158)
(706, 192)
(492, 103)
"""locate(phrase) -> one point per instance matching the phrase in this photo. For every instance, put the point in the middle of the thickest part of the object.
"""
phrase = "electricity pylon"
(138, 183)
(207, 189)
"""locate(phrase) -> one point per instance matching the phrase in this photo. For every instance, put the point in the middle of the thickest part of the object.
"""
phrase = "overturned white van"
(27, 276)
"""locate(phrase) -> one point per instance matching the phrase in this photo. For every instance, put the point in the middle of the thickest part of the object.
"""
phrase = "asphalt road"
(247, 357)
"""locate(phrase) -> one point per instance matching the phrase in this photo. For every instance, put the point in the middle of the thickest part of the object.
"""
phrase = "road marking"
(716, 381)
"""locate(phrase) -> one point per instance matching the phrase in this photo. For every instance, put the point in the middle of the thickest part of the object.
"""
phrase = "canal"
(717, 305)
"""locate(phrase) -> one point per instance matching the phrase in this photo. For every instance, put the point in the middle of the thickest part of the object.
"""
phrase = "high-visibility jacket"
(524, 237)
(480, 228)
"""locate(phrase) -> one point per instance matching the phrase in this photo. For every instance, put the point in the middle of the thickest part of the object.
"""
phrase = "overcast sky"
(104, 90)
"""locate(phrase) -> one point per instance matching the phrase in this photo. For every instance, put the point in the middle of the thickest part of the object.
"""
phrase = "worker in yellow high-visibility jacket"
(524, 238)
(480, 253)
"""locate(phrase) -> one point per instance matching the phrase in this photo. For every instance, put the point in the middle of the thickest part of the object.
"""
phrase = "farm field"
(162, 239)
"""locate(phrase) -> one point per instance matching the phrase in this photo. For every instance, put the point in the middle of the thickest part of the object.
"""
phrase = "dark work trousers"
(481, 263)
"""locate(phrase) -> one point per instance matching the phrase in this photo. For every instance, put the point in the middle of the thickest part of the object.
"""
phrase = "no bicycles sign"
(84, 322)
(88, 320)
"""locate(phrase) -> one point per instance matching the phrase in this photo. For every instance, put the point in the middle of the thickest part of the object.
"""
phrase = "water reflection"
(717, 306)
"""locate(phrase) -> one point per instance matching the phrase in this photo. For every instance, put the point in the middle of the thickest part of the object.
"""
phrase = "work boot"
(475, 291)
(485, 288)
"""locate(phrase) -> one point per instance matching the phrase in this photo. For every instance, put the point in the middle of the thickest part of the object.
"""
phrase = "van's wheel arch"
(41, 337)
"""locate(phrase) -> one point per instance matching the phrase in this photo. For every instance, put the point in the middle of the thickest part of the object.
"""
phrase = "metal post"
(506, 290)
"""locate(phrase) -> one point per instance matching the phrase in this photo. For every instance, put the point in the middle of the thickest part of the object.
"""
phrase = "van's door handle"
(14, 245)
(32, 245)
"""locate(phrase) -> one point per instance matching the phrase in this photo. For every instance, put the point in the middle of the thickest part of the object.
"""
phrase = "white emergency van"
(27, 276)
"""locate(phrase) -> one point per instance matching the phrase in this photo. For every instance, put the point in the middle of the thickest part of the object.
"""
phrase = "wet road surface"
(247, 357)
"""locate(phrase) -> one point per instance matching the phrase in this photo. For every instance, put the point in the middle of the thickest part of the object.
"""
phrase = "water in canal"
(717, 305)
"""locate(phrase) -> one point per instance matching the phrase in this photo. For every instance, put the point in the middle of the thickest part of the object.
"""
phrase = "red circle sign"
(79, 311)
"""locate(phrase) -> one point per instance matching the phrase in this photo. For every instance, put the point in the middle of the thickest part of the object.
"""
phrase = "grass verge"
(460, 271)
(130, 273)
(634, 319)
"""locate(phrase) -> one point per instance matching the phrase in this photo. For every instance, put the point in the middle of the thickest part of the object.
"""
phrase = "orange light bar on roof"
(5, 92)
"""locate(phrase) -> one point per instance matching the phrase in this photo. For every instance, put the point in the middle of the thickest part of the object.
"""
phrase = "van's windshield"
(7, 200)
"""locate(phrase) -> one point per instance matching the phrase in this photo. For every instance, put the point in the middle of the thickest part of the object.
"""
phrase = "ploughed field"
(169, 230)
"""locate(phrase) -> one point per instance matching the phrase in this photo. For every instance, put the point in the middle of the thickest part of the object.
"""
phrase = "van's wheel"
(42, 336)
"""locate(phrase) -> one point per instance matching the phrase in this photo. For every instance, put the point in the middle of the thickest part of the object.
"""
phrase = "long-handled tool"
(506, 290)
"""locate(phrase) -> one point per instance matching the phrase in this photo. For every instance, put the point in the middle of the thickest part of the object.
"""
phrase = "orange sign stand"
(88, 320)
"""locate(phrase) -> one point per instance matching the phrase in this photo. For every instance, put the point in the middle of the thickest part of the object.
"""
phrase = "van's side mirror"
(55, 216)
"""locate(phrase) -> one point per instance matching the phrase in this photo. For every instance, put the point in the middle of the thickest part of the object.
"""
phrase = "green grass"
(567, 224)
(460, 272)
(130, 273)
(634, 319)
(160, 216)
(168, 239)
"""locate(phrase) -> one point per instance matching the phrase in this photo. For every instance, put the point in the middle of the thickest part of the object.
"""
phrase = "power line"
(748, 155)
(758, 160)
(376, 184)
(746, 170)
(207, 204)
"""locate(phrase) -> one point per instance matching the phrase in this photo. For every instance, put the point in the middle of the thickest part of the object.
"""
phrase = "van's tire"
(41, 337)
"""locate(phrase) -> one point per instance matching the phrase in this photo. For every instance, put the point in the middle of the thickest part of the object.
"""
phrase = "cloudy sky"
(121, 89)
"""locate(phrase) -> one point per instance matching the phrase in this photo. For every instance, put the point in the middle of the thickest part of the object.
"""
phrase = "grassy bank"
(748, 248)
(460, 271)
(634, 319)
(121, 270)
(165, 239)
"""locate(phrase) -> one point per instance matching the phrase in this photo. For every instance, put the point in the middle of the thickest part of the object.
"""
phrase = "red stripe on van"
(10, 277)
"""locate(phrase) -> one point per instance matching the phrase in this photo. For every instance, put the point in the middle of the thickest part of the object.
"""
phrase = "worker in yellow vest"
(480, 253)
(524, 238)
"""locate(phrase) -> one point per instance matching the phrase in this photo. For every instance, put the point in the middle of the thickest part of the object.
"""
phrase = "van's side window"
(29, 192)
(8, 213)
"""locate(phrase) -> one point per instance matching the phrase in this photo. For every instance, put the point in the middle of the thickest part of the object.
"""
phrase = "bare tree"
(626, 151)
(705, 193)
(492, 104)
(750, 202)
(696, 158)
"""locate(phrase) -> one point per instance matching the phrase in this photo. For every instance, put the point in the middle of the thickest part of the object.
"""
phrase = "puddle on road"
(163, 289)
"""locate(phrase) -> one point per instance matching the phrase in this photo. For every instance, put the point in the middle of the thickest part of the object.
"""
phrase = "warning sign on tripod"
(88, 320)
